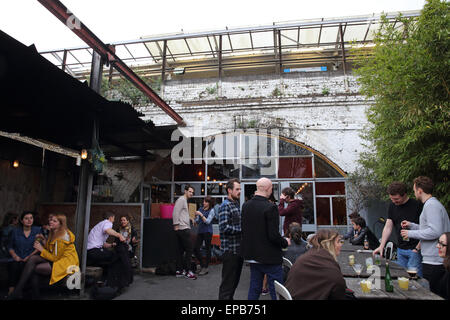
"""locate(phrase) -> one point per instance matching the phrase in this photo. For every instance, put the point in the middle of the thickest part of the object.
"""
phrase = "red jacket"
(292, 213)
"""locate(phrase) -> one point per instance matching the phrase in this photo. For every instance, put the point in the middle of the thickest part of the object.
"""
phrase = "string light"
(15, 164)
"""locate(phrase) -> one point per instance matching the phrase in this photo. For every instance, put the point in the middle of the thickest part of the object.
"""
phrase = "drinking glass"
(358, 268)
(412, 271)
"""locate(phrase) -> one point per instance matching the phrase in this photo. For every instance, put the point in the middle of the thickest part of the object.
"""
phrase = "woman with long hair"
(316, 274)
(58, 257)
(444, 253)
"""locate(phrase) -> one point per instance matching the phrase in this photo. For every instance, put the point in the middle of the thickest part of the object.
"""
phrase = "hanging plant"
(98, 159)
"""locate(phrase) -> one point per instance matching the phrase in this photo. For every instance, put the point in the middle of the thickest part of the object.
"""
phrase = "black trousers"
(231, 274)
(100, 257)
(434, 274)
(206, 237)
(184, 253)
(15, 269)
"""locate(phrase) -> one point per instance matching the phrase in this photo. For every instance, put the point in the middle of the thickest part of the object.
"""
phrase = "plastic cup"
(403, 283)
(366, 286)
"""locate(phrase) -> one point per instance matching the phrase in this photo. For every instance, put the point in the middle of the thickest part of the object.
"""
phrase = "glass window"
(221, 172)
(304, 191)
(217, 189)
(323, 211)
(224, 146)
(324, 170)
(295, 168)
(199, 189)
(257, 168)
(330, 188)
(258, 144)
(339, 211)
(290, 149)
(189, 172)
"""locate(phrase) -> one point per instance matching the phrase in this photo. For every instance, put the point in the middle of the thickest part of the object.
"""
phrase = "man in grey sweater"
(433, 222)
(181, 225)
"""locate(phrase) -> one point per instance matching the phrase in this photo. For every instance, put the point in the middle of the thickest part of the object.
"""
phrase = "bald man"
(261, 241)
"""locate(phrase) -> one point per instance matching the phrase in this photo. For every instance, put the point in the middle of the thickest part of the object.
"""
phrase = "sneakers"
(180, 274)
(203, 272)
(191, 275)
(265, 291)
(187, 275)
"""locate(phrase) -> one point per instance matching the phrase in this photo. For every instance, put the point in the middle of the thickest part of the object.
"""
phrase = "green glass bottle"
(388, 280)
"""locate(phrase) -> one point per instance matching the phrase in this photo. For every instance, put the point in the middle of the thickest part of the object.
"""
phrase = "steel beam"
(66, 17)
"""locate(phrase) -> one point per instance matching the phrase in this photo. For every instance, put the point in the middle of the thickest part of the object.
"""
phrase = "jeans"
(257, 272)
(200, 238)
(408, 258)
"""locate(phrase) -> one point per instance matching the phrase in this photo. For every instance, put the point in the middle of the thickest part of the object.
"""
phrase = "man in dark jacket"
(362, 231)
(261, 241)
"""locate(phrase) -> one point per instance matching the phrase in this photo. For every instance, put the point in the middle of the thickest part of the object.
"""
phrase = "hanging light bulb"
(15, 164)
(84, 154)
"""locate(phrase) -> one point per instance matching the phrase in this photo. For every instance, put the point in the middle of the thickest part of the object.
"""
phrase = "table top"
(395, 269)
(414, 292)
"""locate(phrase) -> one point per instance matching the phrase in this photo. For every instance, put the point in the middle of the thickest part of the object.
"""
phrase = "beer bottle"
(388, 280)
(366, 243)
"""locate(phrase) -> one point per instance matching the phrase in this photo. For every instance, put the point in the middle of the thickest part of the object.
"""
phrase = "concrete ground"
(155, 287)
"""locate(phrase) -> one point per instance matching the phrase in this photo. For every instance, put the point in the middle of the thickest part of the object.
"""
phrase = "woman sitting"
(316, 275)
(444, 252)
(298, 246)
(20, 247)
(58, 258)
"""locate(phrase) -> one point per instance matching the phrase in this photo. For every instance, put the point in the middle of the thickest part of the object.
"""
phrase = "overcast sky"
(117, 20)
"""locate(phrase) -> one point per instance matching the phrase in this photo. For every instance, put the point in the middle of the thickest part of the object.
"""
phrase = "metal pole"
(83, 211)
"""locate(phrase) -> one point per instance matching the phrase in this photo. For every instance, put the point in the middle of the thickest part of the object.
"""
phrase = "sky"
(119, 20)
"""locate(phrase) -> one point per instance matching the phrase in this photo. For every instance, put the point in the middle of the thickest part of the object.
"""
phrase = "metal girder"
(66, 17)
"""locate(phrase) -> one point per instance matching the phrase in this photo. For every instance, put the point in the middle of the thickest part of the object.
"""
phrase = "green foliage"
(276, 92)
(325, 91)
(407, 76)
(124, 90)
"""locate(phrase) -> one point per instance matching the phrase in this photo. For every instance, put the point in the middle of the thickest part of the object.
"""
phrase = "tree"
(407, 77)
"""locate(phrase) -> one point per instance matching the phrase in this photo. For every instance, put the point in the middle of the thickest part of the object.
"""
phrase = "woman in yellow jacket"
(58, 257)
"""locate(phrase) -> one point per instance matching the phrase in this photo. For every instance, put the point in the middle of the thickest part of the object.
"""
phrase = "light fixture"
(15, 164)
(84, 154)
(200, 173)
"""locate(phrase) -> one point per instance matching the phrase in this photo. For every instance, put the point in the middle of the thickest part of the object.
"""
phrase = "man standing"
(293, 211)
(182, 227)
(402, 208)
(261, 240)
(230, 240)
(434, 221)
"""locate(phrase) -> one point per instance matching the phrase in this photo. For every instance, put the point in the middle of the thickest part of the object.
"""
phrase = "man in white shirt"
(96, 255)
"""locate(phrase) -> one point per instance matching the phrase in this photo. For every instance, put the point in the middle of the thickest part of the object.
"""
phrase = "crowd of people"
(46, 254)
(420, 227)
(252, 236)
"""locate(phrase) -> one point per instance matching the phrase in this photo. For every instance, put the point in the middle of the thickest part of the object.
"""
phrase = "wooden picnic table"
(360, 258)
(414, 292)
